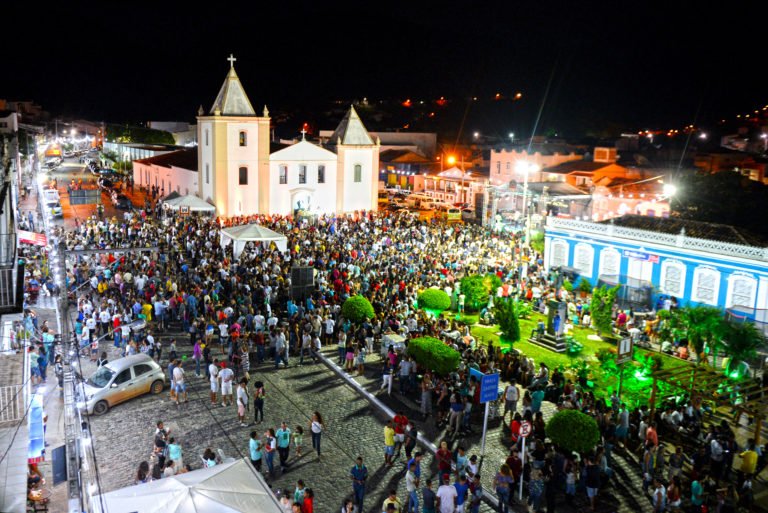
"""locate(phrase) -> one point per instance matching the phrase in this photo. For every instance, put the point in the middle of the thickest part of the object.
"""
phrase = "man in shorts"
(389, 443)
(226, 376)
(213, 372)
(179, 385)
(242, 401)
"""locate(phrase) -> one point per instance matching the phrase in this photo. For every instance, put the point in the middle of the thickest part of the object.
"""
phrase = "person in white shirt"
(179, 385)
(213, 372)
(226, 376)
(242, 401)
(446, 496)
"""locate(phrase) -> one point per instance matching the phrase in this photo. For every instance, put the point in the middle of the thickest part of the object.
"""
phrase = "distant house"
(504, 166)
(697, 263)
(398, 167)
(169, 172)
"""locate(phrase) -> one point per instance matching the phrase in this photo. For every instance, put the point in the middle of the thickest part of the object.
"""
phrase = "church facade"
(239, 176)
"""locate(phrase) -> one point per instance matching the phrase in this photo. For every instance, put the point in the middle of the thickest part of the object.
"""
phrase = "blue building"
(697, 263)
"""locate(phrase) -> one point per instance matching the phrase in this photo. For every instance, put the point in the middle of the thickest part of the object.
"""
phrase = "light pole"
(526, 168)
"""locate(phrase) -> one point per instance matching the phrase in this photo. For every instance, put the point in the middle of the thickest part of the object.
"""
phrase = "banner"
(38, 239)
(639, 255)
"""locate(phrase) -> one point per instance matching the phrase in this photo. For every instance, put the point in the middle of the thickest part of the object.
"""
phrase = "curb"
(491, 498)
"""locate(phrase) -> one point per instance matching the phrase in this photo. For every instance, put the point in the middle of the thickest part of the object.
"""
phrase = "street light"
(525, 167)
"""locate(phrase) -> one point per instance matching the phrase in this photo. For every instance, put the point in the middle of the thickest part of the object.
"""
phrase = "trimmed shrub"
(508, 316)
(434, 354)
(573, 431)
(357, 309)
(434, 299)
(475, 292)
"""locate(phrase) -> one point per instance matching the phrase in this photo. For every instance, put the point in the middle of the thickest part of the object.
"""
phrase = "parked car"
(122, 202)
(121, 380)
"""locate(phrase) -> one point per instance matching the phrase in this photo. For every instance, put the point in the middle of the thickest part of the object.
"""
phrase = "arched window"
(283, 174)
(706, 285)
(673, 278)
(243, 138)
(610, 262)
(243, 176)
(559, 253)
(358, 173)
(583, 259)
(741, 291)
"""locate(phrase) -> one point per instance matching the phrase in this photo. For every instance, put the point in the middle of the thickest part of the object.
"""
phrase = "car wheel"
(100, 408)
(157, 387)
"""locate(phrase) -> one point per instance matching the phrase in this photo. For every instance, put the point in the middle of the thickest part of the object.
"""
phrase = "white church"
(238, 175)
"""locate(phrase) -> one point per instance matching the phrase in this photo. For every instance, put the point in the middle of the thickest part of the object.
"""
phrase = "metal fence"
(7, 249)
(11, 404)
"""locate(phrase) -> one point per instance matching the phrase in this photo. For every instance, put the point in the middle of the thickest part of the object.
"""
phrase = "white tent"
(239, 235)
(194, 203)
(226, 488)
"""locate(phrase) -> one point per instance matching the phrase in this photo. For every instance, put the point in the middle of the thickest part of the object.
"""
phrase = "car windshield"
(101, 377)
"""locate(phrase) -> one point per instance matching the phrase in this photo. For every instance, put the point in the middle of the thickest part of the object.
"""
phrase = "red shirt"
(308, 506)
(401, 421)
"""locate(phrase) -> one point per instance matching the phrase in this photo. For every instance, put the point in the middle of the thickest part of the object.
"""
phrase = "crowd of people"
(239, 313)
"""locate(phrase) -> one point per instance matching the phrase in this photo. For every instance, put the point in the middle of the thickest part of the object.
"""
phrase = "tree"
(357, 309)
(537, 242)
(434, 299)
(507, 314)
(740, 340)
(434, 354)
(602, 308)
(475, 292)
(703, 325)
(573, 431)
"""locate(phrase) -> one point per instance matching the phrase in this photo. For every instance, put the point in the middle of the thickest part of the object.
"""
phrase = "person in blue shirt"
(462, 488)
(416, 460)
(255, 448)
(283, 437)
(536, 399)
(428, 497)
(359, 474)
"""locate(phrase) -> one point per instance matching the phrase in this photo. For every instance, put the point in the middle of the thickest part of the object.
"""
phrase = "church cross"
(231, 60)
(303, 133)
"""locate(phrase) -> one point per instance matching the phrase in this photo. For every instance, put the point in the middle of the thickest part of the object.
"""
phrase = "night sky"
(614, 64)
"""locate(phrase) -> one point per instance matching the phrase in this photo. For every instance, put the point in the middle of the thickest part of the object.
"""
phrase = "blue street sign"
(489, 388)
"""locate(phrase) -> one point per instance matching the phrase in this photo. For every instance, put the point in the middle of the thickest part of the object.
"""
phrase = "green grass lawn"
(604, 381)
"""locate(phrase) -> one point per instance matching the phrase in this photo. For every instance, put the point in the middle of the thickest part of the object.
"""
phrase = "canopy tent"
(239, 235)
(226, 488)
(194, 204)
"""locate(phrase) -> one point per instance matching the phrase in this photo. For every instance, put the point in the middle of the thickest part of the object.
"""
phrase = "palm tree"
(741, 340)
(703, 325)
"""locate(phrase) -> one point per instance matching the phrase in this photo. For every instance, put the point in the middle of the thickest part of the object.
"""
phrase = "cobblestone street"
(123, 437)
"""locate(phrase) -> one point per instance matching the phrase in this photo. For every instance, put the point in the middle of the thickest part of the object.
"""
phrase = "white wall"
(357, 196)
(205, 160)
(282, 196)
(243, 199)
(170, 179)
(506, 162)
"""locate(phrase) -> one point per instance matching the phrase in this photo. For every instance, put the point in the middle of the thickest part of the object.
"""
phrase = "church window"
(243, 176)
(302, 173)
(206, 137)
(207, 173)
(321, 173)
(358, 173)
(283, 174)
(583, 259)
(243, 138)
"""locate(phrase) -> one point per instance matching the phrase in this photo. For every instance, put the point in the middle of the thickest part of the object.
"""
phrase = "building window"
(243, 138)
(559, 253)
(706, 285)
(302, 173)
(206, 137)
(583, 259)
(741, 291)
(243, 176)
(673, 278)
(498, 168)
(610, 260)
(321, 173)
(358, 173)
(207, 173)
(283, 175)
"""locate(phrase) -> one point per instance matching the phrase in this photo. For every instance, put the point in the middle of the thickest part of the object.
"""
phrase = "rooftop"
(185, 159)
(351, 131)
(576, 165)
(697, 229)
(232, 100)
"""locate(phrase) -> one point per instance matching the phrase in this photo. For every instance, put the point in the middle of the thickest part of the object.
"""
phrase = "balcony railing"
(7, 249)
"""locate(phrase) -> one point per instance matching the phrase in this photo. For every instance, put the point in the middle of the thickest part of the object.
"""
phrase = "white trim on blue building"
(695, 271)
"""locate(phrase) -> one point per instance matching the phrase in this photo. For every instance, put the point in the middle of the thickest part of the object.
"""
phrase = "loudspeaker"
(302, 282)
